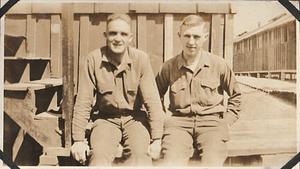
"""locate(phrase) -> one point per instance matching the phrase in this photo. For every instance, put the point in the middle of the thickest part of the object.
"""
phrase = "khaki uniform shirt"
(200, 92)
(118, 90)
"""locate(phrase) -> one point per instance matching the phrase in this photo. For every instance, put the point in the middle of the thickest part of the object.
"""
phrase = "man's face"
(192, 39)
(118, 36)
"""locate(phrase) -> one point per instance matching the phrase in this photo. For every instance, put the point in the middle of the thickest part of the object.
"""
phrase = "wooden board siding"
(228, 39)
(155, 40)
(16, 26)
(55, 44)
(217, 30)
(276, 52)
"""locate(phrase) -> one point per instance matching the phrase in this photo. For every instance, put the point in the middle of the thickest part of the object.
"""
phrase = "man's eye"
(187, 36)
(197, 37)
(112, 33)
(124, 34)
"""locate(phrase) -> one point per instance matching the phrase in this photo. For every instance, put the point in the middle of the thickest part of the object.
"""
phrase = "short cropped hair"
(193, 20)
(121, 16)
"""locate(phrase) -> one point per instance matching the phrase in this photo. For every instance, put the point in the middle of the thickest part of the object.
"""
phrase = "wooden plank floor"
(268, 85)
(267, 125)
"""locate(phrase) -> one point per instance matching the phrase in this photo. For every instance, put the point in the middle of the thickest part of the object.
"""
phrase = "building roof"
(276, 21)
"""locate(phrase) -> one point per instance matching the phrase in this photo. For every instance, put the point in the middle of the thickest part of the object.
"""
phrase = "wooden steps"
(35, 85)
(9, 58)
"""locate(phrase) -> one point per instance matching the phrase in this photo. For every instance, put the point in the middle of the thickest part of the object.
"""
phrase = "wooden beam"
(55, 51)
(46, 160)
(42, 8)
(214, 7)
(228, 44)
(144, 7)
(58, 151)
(17, 144)
(142, 32)
(111, 7)
(177, 7)
(68, 65)
(20, 8)
(84, 7)
(168, 37)
(19, 106)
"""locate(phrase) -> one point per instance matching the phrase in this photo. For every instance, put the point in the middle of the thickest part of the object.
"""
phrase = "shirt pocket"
(177, 95)
(104, 96)
(210, 84)
(209, 92)
(105, 89)
(178, 86)
(132, 88)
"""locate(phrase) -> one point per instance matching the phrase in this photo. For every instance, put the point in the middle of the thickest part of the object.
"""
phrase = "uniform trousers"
(206, 133)
(107, 133)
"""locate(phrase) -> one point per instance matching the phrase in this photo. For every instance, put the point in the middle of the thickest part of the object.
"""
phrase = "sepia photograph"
(149, 84)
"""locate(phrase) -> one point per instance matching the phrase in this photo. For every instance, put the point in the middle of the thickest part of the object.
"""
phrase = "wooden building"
(46, 44)
(269, 50)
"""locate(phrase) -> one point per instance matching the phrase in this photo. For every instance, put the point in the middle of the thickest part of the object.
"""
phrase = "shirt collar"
(204, 60)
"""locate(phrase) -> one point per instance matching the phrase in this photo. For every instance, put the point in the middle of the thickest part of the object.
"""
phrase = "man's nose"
(118, 37)
(191, 40)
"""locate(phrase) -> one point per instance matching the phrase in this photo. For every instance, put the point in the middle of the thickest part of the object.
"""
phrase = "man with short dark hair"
(122, 79)
(197, 81)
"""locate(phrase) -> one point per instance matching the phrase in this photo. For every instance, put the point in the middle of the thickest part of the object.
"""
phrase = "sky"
(249, 13)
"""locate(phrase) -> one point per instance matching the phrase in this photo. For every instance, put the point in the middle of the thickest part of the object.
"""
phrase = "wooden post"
(282, 75)
(68, 64)
(18, 142)
(228, 44)
(168, 37)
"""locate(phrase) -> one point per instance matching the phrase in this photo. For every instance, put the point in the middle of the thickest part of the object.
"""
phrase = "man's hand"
(154, 149)
(80, 150)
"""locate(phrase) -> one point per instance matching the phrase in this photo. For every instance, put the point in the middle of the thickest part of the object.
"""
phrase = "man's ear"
(178, 33)
(130, 37)
(206, 35)
(105, 34)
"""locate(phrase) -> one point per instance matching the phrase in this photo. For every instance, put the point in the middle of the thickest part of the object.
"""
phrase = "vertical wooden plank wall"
(30, 34)
(155, 40)
(217, 34)
(142, 32)
(55, 51)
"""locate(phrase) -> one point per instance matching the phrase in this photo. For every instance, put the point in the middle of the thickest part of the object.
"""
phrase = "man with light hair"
(121, 77)
(197, 81)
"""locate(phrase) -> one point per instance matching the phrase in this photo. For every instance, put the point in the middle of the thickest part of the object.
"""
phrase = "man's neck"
(116, 58)
(191, 59)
